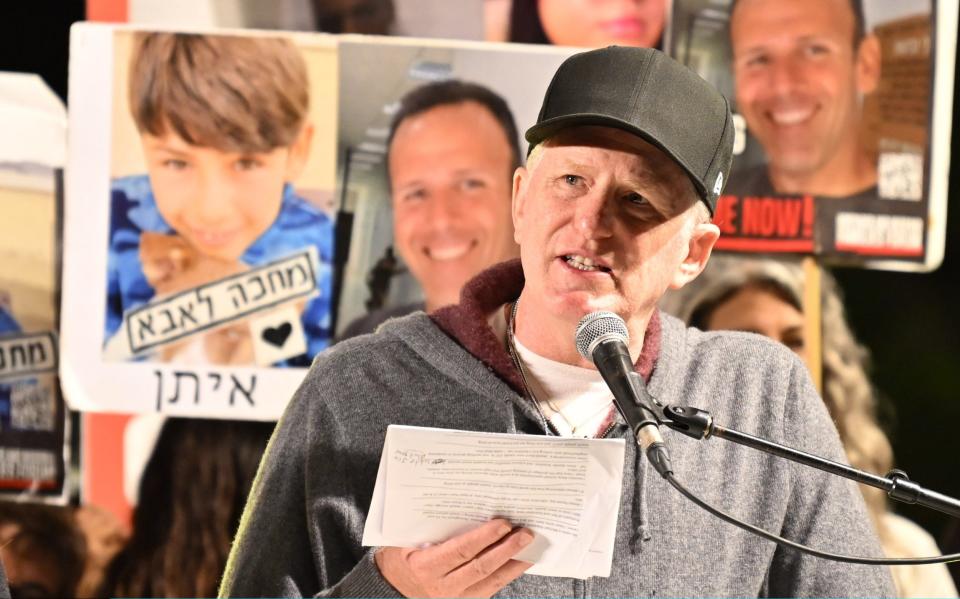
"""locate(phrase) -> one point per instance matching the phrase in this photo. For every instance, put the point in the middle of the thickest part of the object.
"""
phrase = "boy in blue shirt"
(8, 323)
(224, 130)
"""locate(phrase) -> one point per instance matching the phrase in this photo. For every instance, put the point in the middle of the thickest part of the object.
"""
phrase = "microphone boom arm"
(602, 338)
(699, 424)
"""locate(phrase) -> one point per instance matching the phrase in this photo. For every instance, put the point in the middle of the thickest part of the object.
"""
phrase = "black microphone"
(602, 338)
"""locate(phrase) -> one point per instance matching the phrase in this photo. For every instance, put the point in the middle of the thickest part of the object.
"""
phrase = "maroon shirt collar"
(466, 322)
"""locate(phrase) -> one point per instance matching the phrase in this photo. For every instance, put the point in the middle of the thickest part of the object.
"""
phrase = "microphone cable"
(873, 561)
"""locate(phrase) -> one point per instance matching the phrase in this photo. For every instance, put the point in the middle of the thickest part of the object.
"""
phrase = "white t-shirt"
(576, 400)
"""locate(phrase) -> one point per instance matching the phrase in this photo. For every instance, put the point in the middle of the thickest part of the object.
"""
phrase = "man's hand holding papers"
(461, 489)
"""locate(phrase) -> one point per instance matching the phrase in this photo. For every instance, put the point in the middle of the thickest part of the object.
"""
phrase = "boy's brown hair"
(231, 93)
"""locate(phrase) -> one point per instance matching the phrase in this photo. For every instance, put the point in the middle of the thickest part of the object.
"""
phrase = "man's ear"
(299, 153)
(868, 64)
(702, 240)
(521, 177)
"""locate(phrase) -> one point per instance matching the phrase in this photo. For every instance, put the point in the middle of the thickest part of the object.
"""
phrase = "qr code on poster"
(32, 406)
(900, 176)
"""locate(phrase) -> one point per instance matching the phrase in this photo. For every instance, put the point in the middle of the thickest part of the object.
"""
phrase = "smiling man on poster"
(802, 70)
(452, 151)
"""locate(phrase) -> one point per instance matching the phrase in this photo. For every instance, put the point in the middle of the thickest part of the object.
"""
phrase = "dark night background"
(910, 322)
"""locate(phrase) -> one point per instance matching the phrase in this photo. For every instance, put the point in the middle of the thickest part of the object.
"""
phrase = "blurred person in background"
(374, 17)
(192, 493)
(588, 23)
(496, 20)
(105, 535)
(764, 296)
(951, 544)
(4, 588)
(451, 153)
(42, 550)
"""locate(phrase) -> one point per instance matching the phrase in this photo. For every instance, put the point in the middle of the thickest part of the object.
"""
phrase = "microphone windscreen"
(599, 326)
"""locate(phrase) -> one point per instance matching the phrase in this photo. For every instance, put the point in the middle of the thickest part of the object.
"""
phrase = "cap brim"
(550, 127)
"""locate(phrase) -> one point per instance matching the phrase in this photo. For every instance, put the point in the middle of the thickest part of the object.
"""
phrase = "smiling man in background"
(452, 150)
(802, 69)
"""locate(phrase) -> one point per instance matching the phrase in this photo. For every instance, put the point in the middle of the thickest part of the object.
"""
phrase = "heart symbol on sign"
(277, 336)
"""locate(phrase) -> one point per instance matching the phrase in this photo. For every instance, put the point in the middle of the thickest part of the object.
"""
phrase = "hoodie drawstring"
(641, 530)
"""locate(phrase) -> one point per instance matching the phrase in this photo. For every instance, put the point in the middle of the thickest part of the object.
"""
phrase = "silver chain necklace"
(528, 389)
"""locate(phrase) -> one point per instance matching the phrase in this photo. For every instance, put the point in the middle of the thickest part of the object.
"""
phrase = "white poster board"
(186, 330)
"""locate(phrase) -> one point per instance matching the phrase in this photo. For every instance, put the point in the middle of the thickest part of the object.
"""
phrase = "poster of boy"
(198, 218)
(216, 256)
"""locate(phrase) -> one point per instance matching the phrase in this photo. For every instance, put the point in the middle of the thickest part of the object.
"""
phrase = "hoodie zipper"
(607, 431)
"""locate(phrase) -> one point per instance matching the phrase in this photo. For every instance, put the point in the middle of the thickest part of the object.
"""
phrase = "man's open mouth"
(583, 263)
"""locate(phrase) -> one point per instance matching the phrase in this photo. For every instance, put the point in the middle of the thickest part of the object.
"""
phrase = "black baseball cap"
(645, 92)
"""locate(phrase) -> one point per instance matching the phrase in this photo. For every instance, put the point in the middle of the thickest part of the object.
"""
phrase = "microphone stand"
(699, 424)
(601, 337)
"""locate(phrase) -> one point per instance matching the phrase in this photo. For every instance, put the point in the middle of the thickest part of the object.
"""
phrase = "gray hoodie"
(300, 533)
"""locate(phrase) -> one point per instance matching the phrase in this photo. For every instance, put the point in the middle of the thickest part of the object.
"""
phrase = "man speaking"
(629, 155)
